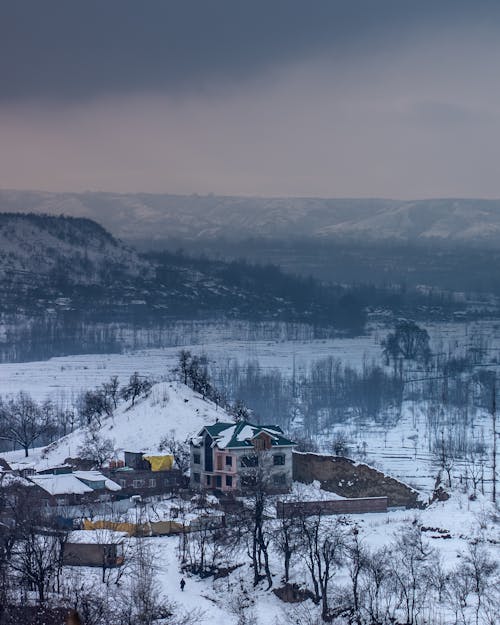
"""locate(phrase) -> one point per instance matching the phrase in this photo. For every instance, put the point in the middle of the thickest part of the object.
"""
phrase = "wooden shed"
(102, 547)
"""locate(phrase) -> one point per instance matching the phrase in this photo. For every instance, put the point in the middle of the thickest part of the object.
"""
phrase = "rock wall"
(348, 478)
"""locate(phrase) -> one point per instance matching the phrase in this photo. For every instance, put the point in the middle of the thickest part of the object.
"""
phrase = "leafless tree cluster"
(32, 573)
(327, 394)
(25, 422)
(349, 581)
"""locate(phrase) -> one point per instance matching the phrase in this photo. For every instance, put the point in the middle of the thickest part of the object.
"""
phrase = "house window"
(61, 501)
(209, 480)
(138, 483)
(279, 479)
(196, 478)
(229, 461)
(123, 483)
(196, 458)
(249, 461)
(219, 463)
(279, 459)
(229, 480)
(218, 481)
(152, 483)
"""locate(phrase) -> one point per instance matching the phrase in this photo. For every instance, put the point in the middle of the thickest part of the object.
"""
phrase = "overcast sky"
(360, 98)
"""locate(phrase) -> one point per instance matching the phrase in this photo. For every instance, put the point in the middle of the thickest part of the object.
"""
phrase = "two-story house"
(224, 456)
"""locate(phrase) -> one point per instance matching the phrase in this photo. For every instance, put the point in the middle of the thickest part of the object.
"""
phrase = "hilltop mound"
(171, 408)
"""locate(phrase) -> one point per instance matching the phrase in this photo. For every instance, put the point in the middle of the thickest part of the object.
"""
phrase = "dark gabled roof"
(216, 428)
(241, 434)
(4, 465)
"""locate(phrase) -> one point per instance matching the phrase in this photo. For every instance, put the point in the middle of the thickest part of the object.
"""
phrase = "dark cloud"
(72, 49)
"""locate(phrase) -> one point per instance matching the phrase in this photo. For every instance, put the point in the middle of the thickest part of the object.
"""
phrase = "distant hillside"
(79, 248)
(69, 287)
(157, 218)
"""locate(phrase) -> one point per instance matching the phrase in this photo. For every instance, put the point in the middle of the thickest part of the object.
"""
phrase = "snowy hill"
(171, 408)
(51, 246)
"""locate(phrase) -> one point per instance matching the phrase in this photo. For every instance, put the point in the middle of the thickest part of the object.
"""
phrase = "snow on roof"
(63, 484)
(241, 434)
(9, 479)
(245, 433)
(96, 537)
(225, 437)
(22, 466)
(97, 476)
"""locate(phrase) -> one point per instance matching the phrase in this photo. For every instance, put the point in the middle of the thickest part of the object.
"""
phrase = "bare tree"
(479, 567)
(357, 560)
(96, 447)
(22, 421)
(138, 386)
(38, 559)
(111, 390)
(377, 590)
(323, 549)
(92, 406)
(408, 341)
(410, 568)
(256, 483)
(179, 450)
(287, 539)
(184, 359)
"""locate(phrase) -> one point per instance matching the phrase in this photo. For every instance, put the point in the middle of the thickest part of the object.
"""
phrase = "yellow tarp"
(160, 463)
(130, 528)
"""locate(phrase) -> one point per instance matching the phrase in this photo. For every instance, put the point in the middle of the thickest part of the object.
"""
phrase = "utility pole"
(494, 452)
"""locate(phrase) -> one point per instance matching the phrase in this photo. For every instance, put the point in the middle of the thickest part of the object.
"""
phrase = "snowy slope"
(171, 408)
(41, 244)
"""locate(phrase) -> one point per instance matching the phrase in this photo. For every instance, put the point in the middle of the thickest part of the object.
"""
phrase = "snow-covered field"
(402, 451)
(64, 377)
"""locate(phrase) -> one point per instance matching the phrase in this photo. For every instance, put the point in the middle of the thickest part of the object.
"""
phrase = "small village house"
(102, 547)
(146, 475)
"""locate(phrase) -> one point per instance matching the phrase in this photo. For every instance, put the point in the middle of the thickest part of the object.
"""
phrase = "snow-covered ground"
(216, 601)
(402, 451)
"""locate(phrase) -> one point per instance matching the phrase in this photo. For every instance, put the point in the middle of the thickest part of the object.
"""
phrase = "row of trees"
(25, 422)
(327, 394)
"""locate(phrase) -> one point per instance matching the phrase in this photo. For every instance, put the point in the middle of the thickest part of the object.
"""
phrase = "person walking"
(183, 583)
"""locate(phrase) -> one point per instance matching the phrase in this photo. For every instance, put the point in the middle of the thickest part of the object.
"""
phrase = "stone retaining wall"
(351, 479)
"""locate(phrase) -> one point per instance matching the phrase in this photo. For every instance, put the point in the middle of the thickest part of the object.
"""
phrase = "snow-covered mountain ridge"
(160, 217)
